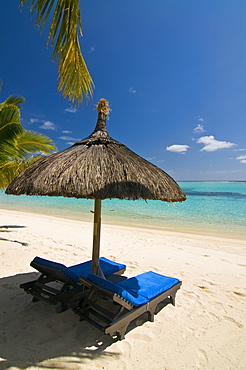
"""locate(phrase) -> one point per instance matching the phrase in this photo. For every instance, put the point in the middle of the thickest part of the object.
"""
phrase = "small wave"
(215, 194)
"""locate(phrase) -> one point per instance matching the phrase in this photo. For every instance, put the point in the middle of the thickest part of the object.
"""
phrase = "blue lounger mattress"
(140, 289)
(108, 267)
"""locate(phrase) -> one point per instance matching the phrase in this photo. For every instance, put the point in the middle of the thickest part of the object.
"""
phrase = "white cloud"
(131, 90)
(66, 132)
(201, 119)
(47, 125)
(92, 49)
(199, 129)
(34, 120)
(68, 138)
(211, 144)
(178, 148)
(242, 158)
(71, 110)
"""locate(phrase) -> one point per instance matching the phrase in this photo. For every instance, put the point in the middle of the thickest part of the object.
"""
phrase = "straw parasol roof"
(97, 167)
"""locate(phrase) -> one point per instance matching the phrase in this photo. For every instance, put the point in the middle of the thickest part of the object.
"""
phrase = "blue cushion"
(55, 266)
(83, 269)
(108, 267)
(148, 285)
(140, 289)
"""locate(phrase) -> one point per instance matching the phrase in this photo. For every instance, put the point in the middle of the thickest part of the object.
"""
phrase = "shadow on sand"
(32, 334)
(5, 229)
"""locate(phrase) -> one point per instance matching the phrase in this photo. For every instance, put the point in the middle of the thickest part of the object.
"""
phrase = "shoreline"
(178, 229)
(217, 210)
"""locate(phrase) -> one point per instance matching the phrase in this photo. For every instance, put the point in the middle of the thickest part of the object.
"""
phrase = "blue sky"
(174, 72)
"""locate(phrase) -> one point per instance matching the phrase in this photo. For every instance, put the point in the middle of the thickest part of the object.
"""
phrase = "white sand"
(205, 330)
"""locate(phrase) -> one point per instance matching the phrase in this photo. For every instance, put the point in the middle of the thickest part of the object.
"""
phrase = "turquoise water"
(214, 208)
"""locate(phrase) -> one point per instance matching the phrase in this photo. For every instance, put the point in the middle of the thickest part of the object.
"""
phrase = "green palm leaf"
(13, 100)
(25, 144)
(32, 142)
(75, 81)
(13, 168)
(8, 173)
(18, 147)
(10, 124)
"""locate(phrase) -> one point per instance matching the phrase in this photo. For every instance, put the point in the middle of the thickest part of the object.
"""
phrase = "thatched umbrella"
(97, 167)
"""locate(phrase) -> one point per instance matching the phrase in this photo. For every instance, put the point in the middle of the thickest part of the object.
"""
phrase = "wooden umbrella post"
(96, 236)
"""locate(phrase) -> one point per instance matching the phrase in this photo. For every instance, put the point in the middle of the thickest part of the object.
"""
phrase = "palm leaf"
(18, 145)
(25, 144)
(75, 81)
(32, 142)
(7, 174)
(10, 124)
(14, 100)
(11, 169)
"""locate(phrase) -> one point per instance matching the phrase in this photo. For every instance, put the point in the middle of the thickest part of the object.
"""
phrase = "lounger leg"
(121, 332)
(61, 308)
(152, 314)
(172, 298)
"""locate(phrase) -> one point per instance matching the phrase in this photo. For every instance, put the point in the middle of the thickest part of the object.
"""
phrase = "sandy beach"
(205, 330)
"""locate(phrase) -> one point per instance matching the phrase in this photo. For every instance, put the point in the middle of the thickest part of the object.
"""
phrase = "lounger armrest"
(123, 302)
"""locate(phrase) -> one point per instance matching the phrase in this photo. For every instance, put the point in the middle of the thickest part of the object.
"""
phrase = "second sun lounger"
(111, 307)
(58, 283)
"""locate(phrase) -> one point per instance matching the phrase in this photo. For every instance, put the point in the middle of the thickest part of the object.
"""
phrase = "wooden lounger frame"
(116, 321)
(69, 289)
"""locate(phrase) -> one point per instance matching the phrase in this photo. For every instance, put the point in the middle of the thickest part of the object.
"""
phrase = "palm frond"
(25, 144)
(8, 151)
(32, 142)
(12, 168)
(7, 174)
(14, 100)
(17, 145)
(10, 124)
(75, 81)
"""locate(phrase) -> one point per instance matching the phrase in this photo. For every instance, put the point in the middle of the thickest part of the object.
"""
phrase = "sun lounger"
(58, 283)
(111, 307)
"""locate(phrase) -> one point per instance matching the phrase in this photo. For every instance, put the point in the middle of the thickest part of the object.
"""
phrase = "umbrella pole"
(96, 236)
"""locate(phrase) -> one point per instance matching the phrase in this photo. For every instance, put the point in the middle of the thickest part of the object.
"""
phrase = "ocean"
(213, 208)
